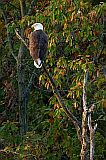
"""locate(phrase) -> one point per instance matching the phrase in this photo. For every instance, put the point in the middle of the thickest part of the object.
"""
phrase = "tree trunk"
(21, 91)
(21, 79)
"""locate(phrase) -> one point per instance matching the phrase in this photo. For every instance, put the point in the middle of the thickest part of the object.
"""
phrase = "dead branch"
(21, 39)
(83, 153)
(92, 130)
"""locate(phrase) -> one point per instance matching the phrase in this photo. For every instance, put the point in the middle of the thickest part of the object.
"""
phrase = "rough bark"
(21, 79)
(92, 130)
(84, 149)
(21, 91)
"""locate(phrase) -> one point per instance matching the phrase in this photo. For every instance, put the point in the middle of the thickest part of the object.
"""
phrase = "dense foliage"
(77, 40)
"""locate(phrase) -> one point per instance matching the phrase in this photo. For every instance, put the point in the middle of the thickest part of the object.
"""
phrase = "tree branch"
(61, 103)
(21, 39)
(83, 153)
(92, 130)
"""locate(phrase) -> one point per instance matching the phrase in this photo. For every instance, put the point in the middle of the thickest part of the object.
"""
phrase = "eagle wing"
(38, 43)
(43, 43)
(33, 45)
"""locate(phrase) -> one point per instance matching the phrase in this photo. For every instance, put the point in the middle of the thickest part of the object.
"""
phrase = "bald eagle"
(38, 42)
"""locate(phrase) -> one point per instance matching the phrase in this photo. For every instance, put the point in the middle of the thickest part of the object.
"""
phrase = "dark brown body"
(38, 42)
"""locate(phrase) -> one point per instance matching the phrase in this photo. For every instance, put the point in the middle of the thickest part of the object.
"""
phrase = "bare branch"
(21, 39)
(84, 117)
(84, 90)
(92, 130)
(90, 126)
(89, 121)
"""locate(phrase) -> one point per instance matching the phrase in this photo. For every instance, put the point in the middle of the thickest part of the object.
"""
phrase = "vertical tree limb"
(83, 153)
(92, 130)
(21, 78)
(20, 38)
(21, 91)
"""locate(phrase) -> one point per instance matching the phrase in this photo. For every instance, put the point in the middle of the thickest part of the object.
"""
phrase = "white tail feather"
(39, 65)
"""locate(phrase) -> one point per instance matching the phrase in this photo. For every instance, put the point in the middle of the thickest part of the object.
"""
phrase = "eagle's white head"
(37, 26)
